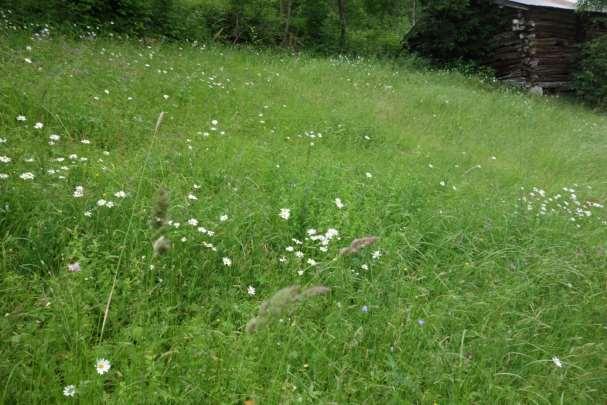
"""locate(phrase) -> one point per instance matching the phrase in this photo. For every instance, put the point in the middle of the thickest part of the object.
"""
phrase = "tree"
(341, 7)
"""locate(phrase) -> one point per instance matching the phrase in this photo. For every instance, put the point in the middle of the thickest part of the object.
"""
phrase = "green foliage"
(451, 30)
(372, 27)
(591, 79)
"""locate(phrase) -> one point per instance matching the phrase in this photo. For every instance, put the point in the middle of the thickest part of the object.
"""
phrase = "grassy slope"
(501, 289)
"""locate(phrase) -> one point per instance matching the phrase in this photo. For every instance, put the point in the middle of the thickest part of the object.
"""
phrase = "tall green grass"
(474, 290)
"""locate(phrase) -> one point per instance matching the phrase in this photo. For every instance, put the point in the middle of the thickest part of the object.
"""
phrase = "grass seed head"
(358, 244)
(161, 246)
(160, 211)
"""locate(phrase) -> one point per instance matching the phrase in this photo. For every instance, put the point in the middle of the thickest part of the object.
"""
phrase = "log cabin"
(538, 42)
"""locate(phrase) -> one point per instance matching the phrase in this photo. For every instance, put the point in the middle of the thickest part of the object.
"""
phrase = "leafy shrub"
(591, 79)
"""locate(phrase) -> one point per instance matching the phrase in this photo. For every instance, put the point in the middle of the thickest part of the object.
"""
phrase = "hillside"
(487, 283)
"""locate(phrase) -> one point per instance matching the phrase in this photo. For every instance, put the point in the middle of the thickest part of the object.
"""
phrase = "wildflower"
(21, 118)
(69, 391)
(85, 142)
(27, 176)
(120, 194)
(312, 262)
(88, 214)
(299, 254)
(311, 231)
(227, 261)
(27, 60)
(285, 213)
(365, 309)
(54, 137)
(192, 197)
(101, 203)
(2, 140)
(376, 255)
(109, 204)
(38, 125)
(102, 366)
(369, 175)
(223, 218)
(557, 362)
(421, 322)
(193, 222)
(79, 192)
(5, 159)
(290, 249)
(166, 96)
(364, 266)
(443, 184)
(214, 122)
(3, 176)
(283, 259)
(339, 203)
(73, 267)
(251, 290)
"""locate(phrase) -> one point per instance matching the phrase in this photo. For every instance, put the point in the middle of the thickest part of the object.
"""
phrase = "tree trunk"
(286, 6)
(341, 6)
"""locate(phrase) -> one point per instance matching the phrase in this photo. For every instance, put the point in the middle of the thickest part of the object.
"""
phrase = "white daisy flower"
(557, 362)
(223, 218)
(38, 125)
(339, 203)
(79, 192)
(101, 203)
(193, 222)
(120, 194)
(5, 159)
(102, 366)
(376, 255)
(251, 290)
(227, 261)
(27, 176)
(21, 118)
(69, 390)
(192, 197)
(285, 213)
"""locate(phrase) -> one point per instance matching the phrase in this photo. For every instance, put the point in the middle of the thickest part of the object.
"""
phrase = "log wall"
(542, 47)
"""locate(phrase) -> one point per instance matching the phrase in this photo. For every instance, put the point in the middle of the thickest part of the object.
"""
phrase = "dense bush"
(591, 79)
(451, 30)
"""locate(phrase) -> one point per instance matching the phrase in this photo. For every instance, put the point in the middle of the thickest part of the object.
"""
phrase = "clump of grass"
(283, 302)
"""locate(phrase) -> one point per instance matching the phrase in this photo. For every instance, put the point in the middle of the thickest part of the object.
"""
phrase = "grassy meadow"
(487, 284)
